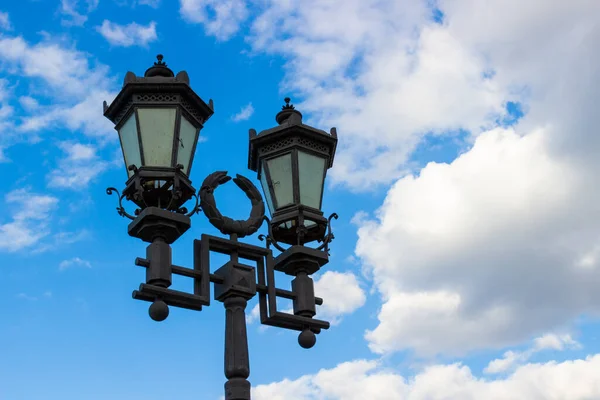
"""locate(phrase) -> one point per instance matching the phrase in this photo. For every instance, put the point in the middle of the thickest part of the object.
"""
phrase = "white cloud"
(361, 379)
(341, 295)
(555, 342)
(253, 315)
(71, 10)
(5, 21)
(30, 219)
(78, 168)
(382, 73)
(511, 359)
(74, 262)
(67, 78)
(25, 296)
(221, 19)
(28, 103)
(460, 253)
(245, 113)
(128, 35)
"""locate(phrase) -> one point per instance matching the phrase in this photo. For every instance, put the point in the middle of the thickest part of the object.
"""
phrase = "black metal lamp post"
(159, 118)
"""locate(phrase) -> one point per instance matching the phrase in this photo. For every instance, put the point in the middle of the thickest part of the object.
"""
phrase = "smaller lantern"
(158, 118)
(292, 161)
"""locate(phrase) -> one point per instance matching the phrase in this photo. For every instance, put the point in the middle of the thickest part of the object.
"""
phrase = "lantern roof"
(290, 125)
(159, 86)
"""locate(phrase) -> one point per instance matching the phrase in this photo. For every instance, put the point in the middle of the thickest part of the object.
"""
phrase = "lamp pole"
(159, 118)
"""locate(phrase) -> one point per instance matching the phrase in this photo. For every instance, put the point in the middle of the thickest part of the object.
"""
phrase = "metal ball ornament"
(159, 310)
(307, 339)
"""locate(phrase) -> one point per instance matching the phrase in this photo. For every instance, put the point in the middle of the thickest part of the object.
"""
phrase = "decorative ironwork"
(227, 225)
(157, 97)
(120, 209)
(270, 241)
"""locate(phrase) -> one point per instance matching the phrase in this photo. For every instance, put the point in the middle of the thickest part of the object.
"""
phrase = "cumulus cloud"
(500, 244)
(128, 35)
(220, 19)
(31, 213)
(244, 114)
(362, 379)
(341, 295)
(461, 253)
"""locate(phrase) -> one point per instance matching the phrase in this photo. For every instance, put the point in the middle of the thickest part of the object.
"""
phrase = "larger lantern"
(158, 118)
(292, 161)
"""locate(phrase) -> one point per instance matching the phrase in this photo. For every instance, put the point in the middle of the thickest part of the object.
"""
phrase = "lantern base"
(154, 222)
(300, 258)
(163, 187)
(298, 225)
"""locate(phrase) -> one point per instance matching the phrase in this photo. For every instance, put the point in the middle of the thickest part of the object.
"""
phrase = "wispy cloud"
(5, 21)
(74, 17)
(25, 296)
(74, 262)
(30, 221)
(128, 35)
(220, 19)
(78, 168)
(512, 359)
(244, 114)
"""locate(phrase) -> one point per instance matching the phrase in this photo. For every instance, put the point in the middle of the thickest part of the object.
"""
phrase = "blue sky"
(467, 256)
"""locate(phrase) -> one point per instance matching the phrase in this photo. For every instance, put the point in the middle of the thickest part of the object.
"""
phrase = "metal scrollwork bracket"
(120, 209)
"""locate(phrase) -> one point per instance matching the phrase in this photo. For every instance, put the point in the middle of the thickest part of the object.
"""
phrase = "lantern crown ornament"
(292, 160)
(158, 118)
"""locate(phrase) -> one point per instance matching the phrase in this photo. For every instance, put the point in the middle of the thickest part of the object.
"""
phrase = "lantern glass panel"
(187, 137)
(130, 144)
(282, 179)
(267, 192)
(311, 174)
(157, 127)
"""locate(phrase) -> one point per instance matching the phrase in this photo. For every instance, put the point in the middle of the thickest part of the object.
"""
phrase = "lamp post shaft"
(237, 364)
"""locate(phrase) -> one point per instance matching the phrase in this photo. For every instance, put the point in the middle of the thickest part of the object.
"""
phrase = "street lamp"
(158, 118)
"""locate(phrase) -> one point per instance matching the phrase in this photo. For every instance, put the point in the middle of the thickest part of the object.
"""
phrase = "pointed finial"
(287, 106)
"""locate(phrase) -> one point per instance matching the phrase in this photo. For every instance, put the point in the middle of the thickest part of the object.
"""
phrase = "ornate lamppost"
(158, 118)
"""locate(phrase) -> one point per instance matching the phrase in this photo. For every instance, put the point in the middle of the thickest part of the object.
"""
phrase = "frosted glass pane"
(280, 169)
(130, 144)
(157, 126)
(311, 171)
(187, 137)
(266, 191)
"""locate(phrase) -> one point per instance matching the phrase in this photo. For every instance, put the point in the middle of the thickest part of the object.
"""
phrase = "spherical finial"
(287, 100)
(159, 310)
(159, 58)
(307, 339)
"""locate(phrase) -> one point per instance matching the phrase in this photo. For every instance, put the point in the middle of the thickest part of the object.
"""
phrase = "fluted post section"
(237, 364)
